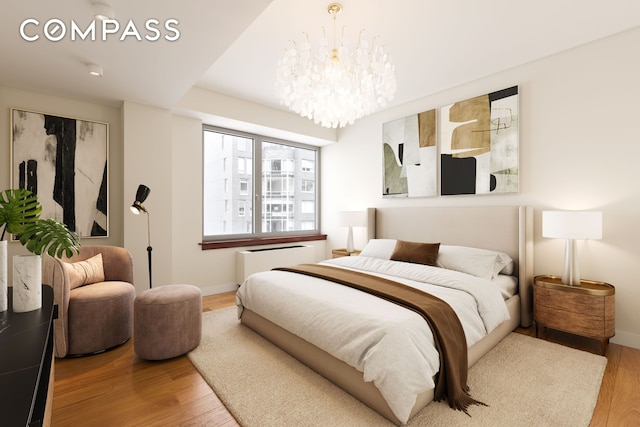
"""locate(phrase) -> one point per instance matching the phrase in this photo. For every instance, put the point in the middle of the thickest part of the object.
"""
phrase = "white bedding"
(391, 345)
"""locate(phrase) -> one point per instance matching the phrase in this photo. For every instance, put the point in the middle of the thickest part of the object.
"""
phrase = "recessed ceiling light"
(95, 70)
(103, 11)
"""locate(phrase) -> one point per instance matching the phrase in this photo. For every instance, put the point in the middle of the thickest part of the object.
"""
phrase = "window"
(244, 187)
(307, 186)
(272, 192)
(308, 207)
(307, 166)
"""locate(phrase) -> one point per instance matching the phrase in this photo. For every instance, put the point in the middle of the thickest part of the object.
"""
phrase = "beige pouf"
(167, 321)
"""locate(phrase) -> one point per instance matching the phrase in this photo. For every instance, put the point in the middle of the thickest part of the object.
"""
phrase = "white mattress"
(390, 345)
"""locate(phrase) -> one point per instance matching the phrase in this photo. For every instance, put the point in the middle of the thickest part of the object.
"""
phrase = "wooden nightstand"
(587, 310)
(337, 253)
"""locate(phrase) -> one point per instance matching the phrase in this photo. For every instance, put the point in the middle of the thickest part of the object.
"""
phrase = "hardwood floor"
(116, 388)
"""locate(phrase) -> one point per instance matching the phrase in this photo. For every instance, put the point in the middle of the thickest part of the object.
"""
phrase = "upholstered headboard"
(507, 229)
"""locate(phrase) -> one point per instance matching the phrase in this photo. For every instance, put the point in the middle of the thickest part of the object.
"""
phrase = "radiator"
(255, 260)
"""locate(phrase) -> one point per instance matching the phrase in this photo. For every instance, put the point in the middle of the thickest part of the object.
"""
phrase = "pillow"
(483, 263)
(508, 285)
(379, 248)
(417, 253)
(84, 272)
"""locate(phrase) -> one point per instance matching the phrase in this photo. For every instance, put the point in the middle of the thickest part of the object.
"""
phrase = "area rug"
(525, 381)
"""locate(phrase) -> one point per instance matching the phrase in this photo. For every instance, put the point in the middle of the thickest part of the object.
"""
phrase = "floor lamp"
(136, 208)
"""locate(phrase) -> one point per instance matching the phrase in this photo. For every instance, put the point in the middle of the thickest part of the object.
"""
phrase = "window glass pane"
(282, 200)
(223, 210)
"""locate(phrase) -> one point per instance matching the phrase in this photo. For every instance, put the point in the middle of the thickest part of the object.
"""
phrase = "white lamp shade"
(572, 224)
(353, 218)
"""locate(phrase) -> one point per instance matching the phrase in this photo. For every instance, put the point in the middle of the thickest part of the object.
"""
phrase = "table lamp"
(352, 219)
(571, 225)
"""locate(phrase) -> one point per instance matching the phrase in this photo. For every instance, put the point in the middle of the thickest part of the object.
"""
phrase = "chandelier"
(335, 86)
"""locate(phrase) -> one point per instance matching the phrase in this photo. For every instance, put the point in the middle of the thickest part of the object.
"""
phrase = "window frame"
(255, 176)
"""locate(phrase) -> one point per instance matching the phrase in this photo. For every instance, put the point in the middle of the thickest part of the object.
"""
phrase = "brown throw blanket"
(448, 334)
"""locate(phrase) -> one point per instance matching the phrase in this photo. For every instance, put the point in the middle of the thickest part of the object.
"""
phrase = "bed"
(299, 313)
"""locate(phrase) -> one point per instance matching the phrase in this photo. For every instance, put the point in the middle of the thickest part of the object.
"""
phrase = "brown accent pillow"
(84, 272)
(417, 253)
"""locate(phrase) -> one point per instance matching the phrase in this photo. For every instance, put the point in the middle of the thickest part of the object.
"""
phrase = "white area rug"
(525, 381)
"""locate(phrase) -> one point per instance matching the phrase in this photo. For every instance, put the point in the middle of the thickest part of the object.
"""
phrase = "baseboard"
(627, 339)
(218, 289)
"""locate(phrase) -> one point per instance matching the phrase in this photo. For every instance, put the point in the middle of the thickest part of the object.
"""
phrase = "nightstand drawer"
(569, 302)
(576, 323)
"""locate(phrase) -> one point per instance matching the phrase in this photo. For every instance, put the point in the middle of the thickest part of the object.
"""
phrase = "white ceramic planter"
(3, 276)
(27, 283)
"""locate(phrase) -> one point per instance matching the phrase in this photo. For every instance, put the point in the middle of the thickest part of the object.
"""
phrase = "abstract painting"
(64, 161)
(479, 144)
(410, 156)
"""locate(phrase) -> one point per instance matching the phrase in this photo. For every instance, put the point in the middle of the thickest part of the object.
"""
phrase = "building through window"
(254, 186)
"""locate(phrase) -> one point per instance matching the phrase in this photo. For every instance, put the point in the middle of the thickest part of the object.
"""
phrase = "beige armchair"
(94, 293)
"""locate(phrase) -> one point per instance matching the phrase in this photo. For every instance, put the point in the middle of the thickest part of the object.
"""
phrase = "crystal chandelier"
(335, 86)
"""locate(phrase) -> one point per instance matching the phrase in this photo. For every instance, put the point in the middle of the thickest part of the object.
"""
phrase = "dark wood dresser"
(26, 364)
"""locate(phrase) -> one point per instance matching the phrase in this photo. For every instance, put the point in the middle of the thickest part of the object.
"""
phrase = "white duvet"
(392, 346)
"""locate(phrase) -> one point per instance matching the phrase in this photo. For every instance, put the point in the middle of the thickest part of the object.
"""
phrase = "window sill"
(258, 241)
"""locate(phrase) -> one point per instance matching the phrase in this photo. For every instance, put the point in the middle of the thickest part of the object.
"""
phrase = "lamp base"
(570, 271)
(149, 249)
(350, 240)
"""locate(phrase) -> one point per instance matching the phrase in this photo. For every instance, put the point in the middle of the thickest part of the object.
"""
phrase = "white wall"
(148, 161)
(579, 149)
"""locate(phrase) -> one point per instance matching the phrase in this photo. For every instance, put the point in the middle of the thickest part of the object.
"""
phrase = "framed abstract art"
(472, 146)
(65, 162)
(479, 144)
(410, 156)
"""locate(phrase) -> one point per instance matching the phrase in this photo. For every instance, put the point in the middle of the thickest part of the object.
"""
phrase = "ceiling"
(233, 47)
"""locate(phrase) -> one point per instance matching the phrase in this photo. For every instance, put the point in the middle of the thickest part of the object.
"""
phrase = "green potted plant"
(20, 215)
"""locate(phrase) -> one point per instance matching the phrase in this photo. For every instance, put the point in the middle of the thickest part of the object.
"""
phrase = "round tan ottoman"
(167, 321)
